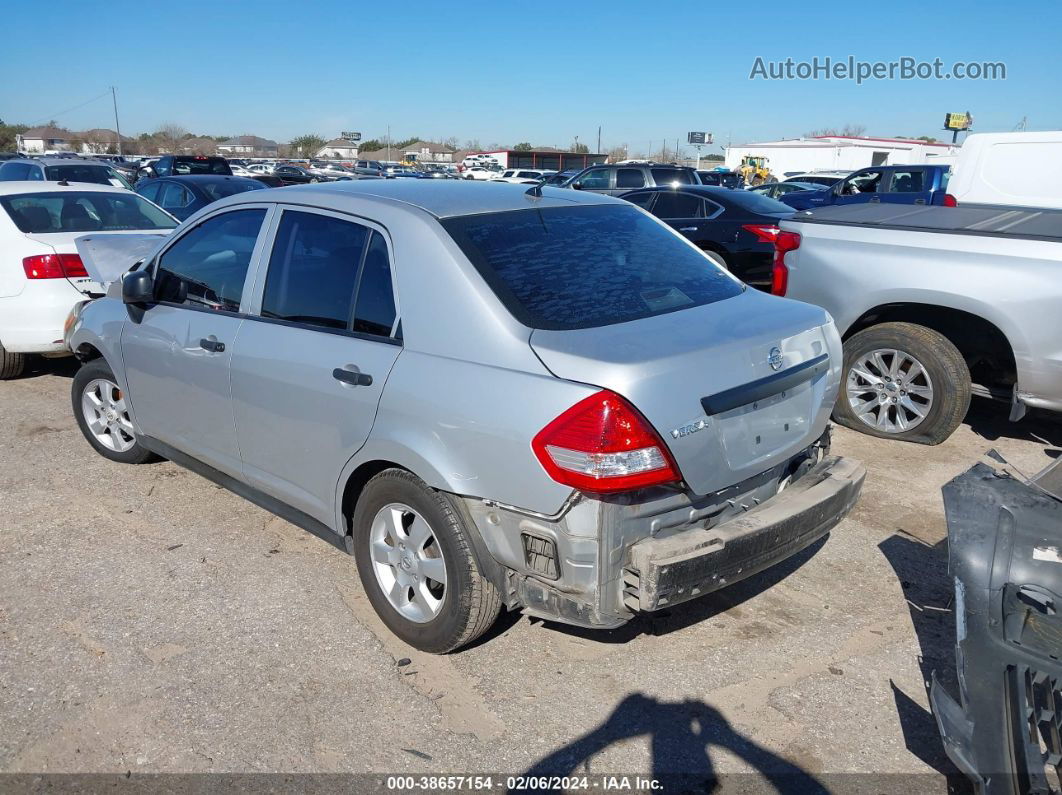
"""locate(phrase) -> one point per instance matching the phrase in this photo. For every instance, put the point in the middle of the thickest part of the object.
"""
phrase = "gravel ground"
(152, 622)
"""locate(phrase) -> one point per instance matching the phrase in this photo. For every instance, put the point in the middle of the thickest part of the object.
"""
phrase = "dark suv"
(616, 178)
(179, 165)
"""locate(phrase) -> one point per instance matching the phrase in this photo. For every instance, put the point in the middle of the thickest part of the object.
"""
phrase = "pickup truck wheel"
(418, 565)
(103, 415)
(903, 381)
(11, 364)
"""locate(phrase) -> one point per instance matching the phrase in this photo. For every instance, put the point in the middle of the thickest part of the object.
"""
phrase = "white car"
(42, 276)
(260, 168)
(241, 171)
(522, 176)
(479, 173)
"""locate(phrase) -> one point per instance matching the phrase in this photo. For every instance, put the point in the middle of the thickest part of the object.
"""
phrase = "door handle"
(920, 201)
(687, 229)
(875, 199)
(352, 377)
(212, 345)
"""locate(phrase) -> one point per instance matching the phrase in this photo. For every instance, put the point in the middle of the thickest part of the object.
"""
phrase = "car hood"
(108, 255)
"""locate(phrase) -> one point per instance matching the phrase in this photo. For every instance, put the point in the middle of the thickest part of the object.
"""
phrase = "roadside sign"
(958, 121)
(698, 138)
(351, 136)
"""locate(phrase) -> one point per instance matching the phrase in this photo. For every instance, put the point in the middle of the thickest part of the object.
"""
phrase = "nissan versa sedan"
(491, 396)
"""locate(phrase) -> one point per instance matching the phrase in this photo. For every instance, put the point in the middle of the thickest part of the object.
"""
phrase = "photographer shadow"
(681, 735)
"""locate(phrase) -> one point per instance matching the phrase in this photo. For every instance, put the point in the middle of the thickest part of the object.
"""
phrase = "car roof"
(40, 186)
(440, 198)
(58, 161)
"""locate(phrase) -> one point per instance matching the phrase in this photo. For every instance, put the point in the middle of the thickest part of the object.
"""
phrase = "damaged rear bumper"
(664, 571)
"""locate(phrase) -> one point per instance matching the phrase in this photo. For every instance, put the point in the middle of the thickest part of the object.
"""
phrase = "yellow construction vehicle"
(754, 170)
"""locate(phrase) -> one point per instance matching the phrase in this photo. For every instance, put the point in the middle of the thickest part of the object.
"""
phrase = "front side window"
(587, 266)
(207, 266)
(88, 211)
(313, 270)
(597, 179)
(864, 182)
(630, 178)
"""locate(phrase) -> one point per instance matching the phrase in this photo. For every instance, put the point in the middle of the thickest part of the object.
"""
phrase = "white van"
(1022, 169)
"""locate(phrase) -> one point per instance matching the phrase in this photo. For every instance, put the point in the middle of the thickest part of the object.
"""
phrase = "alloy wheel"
(107, 415)
(408, 562)
(889, 390)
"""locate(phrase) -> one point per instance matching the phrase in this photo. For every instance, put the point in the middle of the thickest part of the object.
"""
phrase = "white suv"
(523, 175)
(41, 274)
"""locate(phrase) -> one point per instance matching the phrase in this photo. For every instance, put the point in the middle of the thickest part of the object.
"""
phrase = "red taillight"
(765, 233)
(950, 201)
(54, 266)
(785, 241)
(603, 445)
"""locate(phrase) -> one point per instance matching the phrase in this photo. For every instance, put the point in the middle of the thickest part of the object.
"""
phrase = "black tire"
(471, 602)
(90, 371)
(715, 257)
(11, 364)
(944, 364)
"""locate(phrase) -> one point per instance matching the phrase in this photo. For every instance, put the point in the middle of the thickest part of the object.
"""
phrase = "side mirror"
(147, 172)
(577, 186)
(138, 288)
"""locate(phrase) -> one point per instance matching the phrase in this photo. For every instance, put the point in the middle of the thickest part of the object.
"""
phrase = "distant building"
(44, 139)
(840, 153)
(248, 146)
(419, 151)
(101, 141)
(339, 148)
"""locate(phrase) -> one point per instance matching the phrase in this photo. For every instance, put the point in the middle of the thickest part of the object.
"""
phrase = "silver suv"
(490, 396)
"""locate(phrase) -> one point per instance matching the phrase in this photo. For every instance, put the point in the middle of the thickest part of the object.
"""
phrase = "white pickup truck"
(934, 304)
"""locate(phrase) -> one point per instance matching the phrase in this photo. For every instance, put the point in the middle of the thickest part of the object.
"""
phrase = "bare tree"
(170, 135)
(853, 130)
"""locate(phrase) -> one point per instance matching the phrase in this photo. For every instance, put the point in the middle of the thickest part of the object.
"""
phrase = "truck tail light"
(765, 233)
(54, 266)
(950, 201)
(785, 241)
(603, 445)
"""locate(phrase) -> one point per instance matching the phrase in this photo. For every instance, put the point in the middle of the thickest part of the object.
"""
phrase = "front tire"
(11, 364)
(903, 381)
(102, 414)
(416, 560)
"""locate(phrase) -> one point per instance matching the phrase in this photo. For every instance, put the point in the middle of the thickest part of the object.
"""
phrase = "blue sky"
(477, 70)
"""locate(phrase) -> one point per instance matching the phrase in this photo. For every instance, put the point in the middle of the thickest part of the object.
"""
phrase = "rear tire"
(883, 394)
(436, 609)
(103, 416)
(11, 364)
(716, 258)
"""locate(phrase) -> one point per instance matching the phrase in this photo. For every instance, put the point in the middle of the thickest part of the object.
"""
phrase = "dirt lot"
(150, 621)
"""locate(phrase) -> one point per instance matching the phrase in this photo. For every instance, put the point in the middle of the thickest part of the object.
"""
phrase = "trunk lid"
(667, 364)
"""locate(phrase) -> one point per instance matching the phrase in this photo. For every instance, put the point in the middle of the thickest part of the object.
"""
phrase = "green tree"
(7, 135)
(372, 145)
(580, 149)
(307, 145)
(523, 146)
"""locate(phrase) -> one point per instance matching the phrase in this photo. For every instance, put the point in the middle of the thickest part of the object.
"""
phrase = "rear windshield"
(99, 175)
(757, 203)
(584, 267)
(41, 213)
(230, 187)
(201, 165)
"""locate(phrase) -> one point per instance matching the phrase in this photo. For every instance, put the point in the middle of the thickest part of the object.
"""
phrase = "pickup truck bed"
(976, 289)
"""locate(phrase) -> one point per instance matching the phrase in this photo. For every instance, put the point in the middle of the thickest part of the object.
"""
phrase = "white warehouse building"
(840, 153)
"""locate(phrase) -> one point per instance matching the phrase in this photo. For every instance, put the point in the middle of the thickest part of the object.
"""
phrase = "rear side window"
(14, 171)
(374, 312)
(313, 270)
(673, 204)
(671, 176)
(629, 178)
(207, 266)
(908, 181)
(587, 266)
(173, 196)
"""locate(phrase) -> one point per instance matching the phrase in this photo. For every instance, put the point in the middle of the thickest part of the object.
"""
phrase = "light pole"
(117, 129)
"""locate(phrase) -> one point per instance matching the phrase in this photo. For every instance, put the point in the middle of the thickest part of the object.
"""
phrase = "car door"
(861, 187)
(681, 211)
(310, 363)
(906, 185)
(177, 350)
